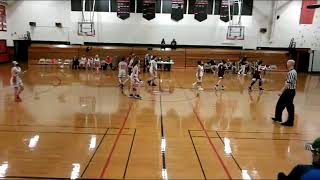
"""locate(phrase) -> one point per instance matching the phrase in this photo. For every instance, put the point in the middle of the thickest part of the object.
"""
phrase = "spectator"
(163, 44)
(97, 62)
(83, 62)
(75, 63)
(174, 44)
(167, 67)
(109, 62)
(103, 64)
(306, 172)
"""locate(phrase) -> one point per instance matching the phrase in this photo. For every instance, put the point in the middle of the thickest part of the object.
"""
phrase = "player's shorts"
(122, 74)
(256, 77)
(199, 78)
(135, 83)
(129, 71)
(220, 75)
(153, 73)
(18, 82)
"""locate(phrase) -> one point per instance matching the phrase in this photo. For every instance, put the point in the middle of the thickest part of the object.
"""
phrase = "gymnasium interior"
(76, 121)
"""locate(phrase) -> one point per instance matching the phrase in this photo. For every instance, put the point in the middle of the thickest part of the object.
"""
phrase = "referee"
(286, 96)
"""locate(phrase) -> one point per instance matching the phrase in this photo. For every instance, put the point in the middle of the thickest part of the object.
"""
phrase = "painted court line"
(104, 170)
(211, 144)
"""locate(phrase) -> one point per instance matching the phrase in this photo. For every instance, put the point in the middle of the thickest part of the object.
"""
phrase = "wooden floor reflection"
(77, 124)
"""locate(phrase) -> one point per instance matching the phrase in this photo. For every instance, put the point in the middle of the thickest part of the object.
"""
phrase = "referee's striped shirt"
(292, 79)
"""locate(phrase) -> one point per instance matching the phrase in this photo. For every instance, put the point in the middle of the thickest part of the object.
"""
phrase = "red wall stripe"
(306, 16)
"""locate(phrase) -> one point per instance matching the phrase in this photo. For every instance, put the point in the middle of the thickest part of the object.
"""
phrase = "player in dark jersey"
(258, 68)
(221, 69)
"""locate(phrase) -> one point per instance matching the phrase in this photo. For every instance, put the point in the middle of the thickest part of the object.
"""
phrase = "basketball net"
(91, 11)
(235, 23)
(86, 26)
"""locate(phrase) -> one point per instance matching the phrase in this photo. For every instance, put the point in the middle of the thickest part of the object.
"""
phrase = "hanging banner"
(3, 18)
(177, 10)
(224, 11)
(123, 9)
(307, 15)
(201, 10)
(149, 9)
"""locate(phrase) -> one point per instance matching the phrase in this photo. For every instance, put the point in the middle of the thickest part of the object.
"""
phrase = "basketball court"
(81, 129)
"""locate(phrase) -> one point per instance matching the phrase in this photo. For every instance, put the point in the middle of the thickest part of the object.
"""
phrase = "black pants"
(109, 65)
(286, 101)
(75, 65)
(104, 66)
(257, 78)
(129, 71)
(167, 67)
(297, 172)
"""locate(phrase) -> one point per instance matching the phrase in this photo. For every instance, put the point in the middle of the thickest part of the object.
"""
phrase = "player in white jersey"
(83, 62)
(90, 63)
(153, 72)
(199, 76)
(16, 81)
(130, 66)
(97, 62)
(135, 81)
(123, 68)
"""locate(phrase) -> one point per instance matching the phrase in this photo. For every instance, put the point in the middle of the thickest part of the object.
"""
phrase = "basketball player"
(16, 81)
(83, 62)
(243, 64)
(130, 66)
(153, 72)
(257, 75)
(199, 76)
(123, 68)
(221, 70)
(90, 63)
(135, 81)
(97, 62)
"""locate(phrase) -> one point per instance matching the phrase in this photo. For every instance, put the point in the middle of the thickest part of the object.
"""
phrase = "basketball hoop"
(86, 29)
(86, 26)
(235, 33)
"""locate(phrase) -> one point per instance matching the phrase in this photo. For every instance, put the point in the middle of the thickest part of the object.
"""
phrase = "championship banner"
(123, 9)
(177, 10)
(224, 11)
(201, 10)
(149, 9)
(307, 15)
(3, 18)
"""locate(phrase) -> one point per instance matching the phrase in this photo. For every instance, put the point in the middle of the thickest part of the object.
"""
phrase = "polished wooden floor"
(77, 124)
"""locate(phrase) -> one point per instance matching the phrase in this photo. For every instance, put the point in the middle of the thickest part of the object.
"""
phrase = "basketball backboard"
(86, 29)
(235, 33)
